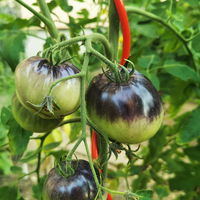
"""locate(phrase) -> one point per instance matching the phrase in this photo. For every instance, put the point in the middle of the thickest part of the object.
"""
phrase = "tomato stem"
(50, 25)
(84, 119)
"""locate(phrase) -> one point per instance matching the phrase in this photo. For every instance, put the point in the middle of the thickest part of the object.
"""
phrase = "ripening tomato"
(128, 112)
(34, 77)
(79, 186)
(30, 121)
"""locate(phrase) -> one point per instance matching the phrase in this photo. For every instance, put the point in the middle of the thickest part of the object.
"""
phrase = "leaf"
(12, 48)
(162, 190)
(38, 188)
(154, 79)
(8, 193)
(190, 128)
(145, 194)
(51, 146)
(64, 5)
(146, 61)
(195, 43)
(18, 137)
(181, 71)
(6, 116)
(193, 153)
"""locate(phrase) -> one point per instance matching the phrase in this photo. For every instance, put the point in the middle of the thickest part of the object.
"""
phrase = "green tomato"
(129, 112)
(30, 121)
(34, 77)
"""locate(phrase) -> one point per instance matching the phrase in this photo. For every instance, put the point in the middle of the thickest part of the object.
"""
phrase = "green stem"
(134, 195)
(144, 13)
(64, 79)
(84, 119)
(113, 29)
(71, 153)
(37, 170)
(93, 37)
(69, 121)
(45, 20)
(103, 153)
(101, 57)
(45, 10)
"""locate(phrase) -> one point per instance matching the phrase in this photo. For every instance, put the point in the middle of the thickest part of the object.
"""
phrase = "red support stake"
(123, 17)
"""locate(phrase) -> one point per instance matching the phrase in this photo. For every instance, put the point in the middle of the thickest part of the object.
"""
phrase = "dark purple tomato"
(129, 112)
(34, 77)
(79, 186)
(30, 121)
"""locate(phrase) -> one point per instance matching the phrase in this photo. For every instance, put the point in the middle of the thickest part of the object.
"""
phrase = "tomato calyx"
(124, 72)
(48, 104)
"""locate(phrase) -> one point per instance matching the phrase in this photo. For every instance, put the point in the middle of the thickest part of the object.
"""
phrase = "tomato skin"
(34, 77)
(79, 186)
(31, 122)
(129, 113)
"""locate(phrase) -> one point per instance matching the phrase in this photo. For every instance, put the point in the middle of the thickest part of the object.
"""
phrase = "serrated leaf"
(8, 193)
(190, 128)
(181, 71)
(196, 44)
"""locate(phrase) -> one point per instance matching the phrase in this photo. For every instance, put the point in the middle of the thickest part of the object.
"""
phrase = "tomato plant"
(128, 54)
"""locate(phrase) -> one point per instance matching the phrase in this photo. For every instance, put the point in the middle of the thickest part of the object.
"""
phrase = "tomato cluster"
(32, 108)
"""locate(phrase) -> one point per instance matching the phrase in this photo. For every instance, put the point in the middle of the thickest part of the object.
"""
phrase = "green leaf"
(154, 79)
(162, 190)
(38, 188)
(181, 71)
(6, 116)
(12, 48)
(190, 128)
(51, 146)
(193, 153)
(18, 137)
(8, 193)
(64, 5)
(145, 194)
(196, 44)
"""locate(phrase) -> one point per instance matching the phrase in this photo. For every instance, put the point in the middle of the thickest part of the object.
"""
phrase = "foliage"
(165, 47)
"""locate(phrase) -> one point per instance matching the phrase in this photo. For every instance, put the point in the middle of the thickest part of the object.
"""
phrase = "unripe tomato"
(79, 186)
(129, 112)
(34, 77)
(30, 121)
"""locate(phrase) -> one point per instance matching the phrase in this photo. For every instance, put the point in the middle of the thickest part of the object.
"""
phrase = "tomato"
(79, 186)
(33, 78)
(128, 112)
(29, 121)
